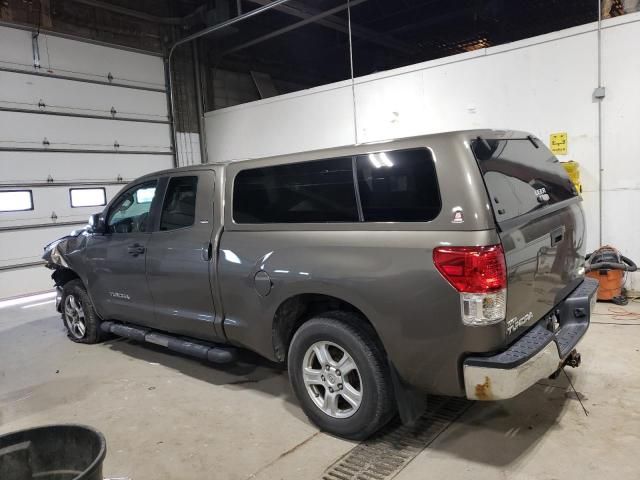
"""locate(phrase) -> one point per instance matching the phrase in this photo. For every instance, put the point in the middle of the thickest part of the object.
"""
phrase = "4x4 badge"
(458, 217)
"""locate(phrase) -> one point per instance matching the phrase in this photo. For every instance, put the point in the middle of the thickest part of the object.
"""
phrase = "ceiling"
(304, 43)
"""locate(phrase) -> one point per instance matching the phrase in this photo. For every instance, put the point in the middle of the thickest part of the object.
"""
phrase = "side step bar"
(211, 352)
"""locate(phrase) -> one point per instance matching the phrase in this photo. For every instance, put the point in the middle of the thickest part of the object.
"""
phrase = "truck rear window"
(521, 175)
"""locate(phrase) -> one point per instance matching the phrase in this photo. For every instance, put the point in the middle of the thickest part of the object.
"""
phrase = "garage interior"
(95, 93)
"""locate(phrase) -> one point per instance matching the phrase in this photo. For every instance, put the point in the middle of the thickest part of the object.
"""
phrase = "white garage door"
(73, 130)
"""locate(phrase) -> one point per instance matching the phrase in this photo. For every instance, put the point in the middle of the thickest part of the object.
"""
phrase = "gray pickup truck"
(449, 264)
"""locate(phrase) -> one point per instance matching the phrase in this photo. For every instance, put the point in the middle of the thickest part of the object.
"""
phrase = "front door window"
(130, 212)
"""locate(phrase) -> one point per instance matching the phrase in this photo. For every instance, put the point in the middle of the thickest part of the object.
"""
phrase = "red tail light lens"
(472, 269)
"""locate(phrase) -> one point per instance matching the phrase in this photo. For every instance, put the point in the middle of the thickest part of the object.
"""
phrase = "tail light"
(480, 275)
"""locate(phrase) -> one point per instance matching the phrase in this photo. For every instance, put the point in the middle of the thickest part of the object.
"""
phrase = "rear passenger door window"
(179, 208)
(398, 186)
(318, 191)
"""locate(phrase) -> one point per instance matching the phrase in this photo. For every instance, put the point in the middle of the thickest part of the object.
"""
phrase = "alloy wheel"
(74, 316)
(332, 379)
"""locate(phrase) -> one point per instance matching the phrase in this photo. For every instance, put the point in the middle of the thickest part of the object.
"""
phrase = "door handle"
(135, 249)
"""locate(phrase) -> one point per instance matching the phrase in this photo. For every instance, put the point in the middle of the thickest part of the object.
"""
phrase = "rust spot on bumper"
(483, 390)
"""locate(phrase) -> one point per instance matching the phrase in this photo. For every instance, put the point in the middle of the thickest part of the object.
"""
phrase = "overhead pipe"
(199, 108)
(202, 33)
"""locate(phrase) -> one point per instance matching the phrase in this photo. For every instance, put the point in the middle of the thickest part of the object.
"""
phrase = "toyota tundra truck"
(449, 264)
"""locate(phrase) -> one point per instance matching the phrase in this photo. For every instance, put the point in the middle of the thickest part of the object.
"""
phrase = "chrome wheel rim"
(74, 316)
(332, 379)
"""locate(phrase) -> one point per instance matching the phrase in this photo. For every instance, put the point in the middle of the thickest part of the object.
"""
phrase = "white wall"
(543, 84)
(85, 89)
(621, 138)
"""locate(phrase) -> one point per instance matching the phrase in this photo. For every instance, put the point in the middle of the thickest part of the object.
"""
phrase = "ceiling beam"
(148, 17)
(293, 26)
(305, 12)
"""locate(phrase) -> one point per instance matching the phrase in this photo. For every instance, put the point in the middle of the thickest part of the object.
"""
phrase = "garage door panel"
(97, 62)
(59, 102)
(52, 204)
(16, 51)
(29, 131)
(17, 282)
(27, 167)
(26, 246)
(25, 91)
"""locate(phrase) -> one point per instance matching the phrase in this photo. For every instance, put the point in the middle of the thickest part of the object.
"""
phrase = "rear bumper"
(536, 355)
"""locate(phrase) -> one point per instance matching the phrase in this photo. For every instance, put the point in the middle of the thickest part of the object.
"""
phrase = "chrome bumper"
(538, 354)
(488, 383)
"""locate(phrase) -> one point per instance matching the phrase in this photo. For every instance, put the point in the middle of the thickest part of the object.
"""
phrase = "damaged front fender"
(58, 253)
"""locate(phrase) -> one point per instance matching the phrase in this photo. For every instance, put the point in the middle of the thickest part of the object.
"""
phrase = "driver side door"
(117, 279)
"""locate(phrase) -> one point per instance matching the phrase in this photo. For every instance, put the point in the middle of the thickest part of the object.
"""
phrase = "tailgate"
(540, 223)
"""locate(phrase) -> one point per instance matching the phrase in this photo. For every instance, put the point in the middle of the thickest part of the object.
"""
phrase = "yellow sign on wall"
(558, 143)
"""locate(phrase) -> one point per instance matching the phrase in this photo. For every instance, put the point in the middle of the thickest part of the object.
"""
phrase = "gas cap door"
(262, 283)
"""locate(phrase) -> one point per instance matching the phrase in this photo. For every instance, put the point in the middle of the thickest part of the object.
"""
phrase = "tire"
(78, 315)
(339, 411)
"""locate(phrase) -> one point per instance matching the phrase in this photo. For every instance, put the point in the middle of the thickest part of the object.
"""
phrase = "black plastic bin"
(55, 452)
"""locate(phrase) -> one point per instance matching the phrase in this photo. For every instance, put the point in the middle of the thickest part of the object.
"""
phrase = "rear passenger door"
(179, 257)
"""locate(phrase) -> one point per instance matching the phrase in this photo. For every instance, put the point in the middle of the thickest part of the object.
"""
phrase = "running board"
(210, 352)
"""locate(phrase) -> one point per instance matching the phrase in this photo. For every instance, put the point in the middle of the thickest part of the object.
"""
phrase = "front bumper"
(538, 354)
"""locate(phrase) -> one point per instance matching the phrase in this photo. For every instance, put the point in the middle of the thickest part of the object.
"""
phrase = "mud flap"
(411, 403)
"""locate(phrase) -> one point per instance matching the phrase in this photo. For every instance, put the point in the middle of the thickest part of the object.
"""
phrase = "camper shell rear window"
(521, 175)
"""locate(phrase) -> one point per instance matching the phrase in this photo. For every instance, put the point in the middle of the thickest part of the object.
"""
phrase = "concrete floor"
(171, 417)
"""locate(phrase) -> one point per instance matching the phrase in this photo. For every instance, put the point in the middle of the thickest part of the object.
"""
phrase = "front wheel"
(339, 374)
(79, 316)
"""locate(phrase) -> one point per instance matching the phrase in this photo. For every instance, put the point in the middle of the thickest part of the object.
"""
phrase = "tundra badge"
(515, 323)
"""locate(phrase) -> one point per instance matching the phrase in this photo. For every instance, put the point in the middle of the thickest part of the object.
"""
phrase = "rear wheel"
(339, 374)
(79, 316)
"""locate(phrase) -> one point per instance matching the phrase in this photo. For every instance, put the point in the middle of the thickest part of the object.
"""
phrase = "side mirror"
(96, 224)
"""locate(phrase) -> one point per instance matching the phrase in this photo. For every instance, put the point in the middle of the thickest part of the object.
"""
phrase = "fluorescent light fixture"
(374, 161)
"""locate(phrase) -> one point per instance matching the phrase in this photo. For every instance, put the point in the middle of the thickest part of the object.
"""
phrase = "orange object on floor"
(611, 282)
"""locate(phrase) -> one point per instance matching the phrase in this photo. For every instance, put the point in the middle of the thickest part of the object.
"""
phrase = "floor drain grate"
(383, 456)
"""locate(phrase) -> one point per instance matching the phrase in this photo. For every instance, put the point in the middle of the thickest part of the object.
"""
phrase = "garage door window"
(16, 200)
(311, 192)
(87, 197)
